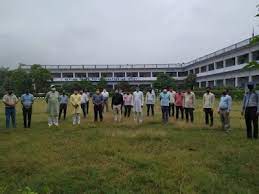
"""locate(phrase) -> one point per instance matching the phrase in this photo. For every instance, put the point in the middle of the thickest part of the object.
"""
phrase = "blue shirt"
(27, 100)
(63, 99)
(164, 99)
(225, 103)
(98, 99)
(251, 99)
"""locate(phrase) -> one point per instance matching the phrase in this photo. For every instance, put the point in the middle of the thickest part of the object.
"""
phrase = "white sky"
(120, 31)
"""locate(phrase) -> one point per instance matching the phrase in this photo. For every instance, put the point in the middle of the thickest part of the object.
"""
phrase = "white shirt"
(172, 97)
(150, 98)
(105, 94)
(138, 101)
(84, 98)
(208, 100)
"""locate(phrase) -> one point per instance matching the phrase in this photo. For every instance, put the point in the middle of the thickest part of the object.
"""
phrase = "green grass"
(128, 158)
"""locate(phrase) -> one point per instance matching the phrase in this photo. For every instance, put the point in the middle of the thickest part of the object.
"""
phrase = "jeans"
(127, 110)
(98, 110)
(171, 109)
(189, 113)
(165, 113)
(208, 116)
(251, 118)
(62, 108)
(83, 107)
(179, 108)
(150, 106)
(106, 105)
(10, 114)
(27, 117)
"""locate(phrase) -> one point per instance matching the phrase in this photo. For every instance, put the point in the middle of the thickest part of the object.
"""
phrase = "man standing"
(250, 109)
(224, 110)
(179, 104)
(63, 105)
(87, 101)
(150, 102)
(138, 101)
(75, 100)
(117, 102)
(98, 105)
(208, 105)
(52, 99)
(27, 100)
(10, 101)
(164, 101)
(189, 104)
(105, 95)
(128, 103)
(84, 101)
(172, 102)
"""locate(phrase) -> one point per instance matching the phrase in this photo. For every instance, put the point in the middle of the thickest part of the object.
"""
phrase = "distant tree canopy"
(164, 81)
(102, 84)
(80, 85)
(190, 81)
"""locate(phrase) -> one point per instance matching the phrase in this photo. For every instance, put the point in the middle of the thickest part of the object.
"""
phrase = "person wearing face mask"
(128, 103)
(224, 109)
(116, 105)
(98, 101)
(27, 100)
(138, 101)
(52, 99)
(63, 105)
(208, 105)
(165, 101)
(10, 101)
(105, 95)
(250, 110)
(150, 102)
(75, 100)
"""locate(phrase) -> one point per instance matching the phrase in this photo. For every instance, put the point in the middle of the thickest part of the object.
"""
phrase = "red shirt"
(178, 99)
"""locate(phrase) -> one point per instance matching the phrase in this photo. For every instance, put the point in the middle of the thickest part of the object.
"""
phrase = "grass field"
(128, 158)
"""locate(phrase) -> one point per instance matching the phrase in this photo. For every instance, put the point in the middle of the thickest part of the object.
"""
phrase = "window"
(80, 75)
(191, 71)
(230, 82)
(119, 74)
(144, 74)
(108, 74)
(93, 75)
(67, 75)
(203, 84)
(230, 62)
(197, 70)
(203, 69)
(243, 59)
(211, 83)
(183, 74)
(132, 74)
(255, 56)
(155, 74)
(56, 75)
(211, 67)
(219, 83)
(172, 74)
(219, 65)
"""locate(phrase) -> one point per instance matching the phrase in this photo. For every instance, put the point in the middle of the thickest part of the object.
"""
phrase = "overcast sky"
(120, 31)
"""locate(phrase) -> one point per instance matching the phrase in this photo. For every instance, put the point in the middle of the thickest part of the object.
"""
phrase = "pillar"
(250, 57)
(250, 78)
(236, 60)
(199, 84)
(224, 82)
(236, 81)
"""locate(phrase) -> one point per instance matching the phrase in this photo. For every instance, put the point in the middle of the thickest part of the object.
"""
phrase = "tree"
(164, 81)
(41, 78)
(3, 76)
(190, 81)
(124, 86)
(102, 84)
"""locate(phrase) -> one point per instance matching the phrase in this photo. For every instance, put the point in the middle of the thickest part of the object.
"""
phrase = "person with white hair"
(105, 95)
(52, 99)
(138, 101)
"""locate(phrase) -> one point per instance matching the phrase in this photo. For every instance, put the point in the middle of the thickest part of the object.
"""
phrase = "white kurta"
(138, 101)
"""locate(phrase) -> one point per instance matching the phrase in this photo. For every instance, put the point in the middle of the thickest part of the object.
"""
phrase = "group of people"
(173, 103)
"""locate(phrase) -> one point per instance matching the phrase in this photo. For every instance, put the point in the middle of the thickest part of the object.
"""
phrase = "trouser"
(208, 116)
(127, 110)
(165, 113)
(62, 109)
(98, 110)
(179, 108)
(10, 114)
(171, 109)
(52, 120)
(189, 113)
(150, 106)
(224, 117)
(87, 107)
(117, 112)
(76, 119)
(138, 117)
(106, 105)
(83, 107)
(251, 119)
(27, 117)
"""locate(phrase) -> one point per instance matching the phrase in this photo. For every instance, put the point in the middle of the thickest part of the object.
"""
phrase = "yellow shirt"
(76, 100)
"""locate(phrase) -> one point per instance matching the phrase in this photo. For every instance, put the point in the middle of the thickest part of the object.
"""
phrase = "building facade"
(221, 68)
